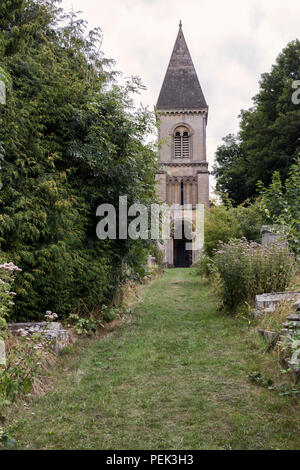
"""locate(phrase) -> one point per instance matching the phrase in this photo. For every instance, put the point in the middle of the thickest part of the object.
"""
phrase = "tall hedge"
(71, 139)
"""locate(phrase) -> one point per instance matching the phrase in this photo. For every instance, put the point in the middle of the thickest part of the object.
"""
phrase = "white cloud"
(231, 44)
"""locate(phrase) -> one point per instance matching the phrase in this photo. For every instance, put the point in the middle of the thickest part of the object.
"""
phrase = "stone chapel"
(182, 114)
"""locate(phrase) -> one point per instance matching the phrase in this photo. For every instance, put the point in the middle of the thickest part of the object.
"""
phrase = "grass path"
(175, 377)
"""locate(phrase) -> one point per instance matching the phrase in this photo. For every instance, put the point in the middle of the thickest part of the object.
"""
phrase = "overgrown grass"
(173, 376)
(245, 269)
(273, 321)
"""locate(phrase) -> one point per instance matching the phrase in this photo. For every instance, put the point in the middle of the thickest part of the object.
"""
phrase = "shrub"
(203, 265)
(85, 326)
(157, 253)
(248, 268)
(27, 355)
(109, 313)
(225, 222)
(17, 377)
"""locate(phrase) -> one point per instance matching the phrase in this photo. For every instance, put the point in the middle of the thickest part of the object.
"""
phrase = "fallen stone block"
(269, 336)
(294, 317)
(289, 332)
(291, 325)
(58, 337)
(294, 368)
(297, 306)
(269, 234)
(257, 312)
(30, 327)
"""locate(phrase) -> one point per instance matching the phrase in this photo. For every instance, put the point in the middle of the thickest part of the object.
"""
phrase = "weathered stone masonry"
(182, 113)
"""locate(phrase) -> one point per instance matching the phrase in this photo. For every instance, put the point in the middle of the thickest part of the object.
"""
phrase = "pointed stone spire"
(181, 88)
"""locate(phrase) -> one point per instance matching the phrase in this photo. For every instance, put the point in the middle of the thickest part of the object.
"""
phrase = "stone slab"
(294, 317)
(297, 306)
(269, 336)
(270, 301)
(54, 332)
(288, 331)
(291, 324)
(294, 369)
(14, 327)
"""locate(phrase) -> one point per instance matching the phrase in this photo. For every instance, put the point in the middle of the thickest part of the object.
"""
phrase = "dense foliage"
(225, 222)
(269, 137)
(70, 140)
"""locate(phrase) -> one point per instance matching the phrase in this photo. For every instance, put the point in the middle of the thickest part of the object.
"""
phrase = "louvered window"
(177, 144)
(181, 143)
(185, 145)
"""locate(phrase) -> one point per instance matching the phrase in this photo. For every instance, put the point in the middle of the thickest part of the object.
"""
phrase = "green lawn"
(174, 377)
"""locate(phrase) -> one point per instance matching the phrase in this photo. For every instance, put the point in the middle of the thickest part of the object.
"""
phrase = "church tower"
(182, 114)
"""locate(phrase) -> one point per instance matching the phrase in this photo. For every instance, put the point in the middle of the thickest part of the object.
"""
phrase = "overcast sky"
(231, 42)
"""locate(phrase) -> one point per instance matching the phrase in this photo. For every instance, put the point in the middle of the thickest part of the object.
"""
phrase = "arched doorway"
(183, 258)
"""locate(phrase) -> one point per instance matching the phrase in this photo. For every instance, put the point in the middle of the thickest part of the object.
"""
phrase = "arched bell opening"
(181, 142)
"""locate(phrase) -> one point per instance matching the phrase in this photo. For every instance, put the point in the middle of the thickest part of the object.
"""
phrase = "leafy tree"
(269, 137)
(71, 141)
(230, 170)
(226, 222)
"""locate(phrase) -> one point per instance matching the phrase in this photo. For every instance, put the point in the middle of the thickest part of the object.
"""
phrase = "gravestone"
(269, 235)
(268, 302)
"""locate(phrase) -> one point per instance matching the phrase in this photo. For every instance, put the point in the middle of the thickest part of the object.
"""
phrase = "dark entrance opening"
(182, 256)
